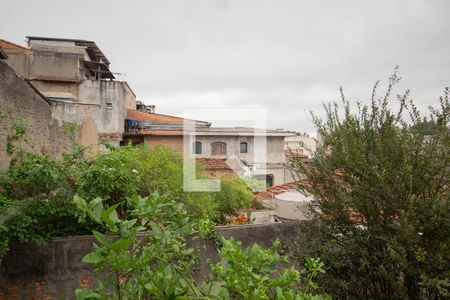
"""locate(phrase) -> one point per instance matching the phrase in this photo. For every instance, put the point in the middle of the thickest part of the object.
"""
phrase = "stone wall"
(55, 270)
(18, 99)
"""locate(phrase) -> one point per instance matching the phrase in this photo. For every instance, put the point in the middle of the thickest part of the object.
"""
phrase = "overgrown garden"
(125, 191)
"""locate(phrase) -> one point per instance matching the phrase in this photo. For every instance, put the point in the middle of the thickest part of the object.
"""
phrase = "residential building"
(74, 75)
(214, 147)
(301, 143)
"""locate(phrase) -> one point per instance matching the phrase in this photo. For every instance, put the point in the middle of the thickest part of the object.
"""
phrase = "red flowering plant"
(240, 218)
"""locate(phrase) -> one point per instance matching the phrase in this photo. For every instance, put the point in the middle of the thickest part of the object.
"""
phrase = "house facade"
(219, 149)
(74, 76)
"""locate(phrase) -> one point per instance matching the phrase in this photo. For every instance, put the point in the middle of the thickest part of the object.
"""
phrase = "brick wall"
(175, 142)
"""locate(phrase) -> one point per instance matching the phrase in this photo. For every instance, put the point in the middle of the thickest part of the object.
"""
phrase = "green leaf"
(100, 237)
(93, 258)
(81, 294)
(120, 244)
(155, 228)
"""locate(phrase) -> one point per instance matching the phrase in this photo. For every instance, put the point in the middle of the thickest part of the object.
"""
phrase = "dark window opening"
(267, 178)
(218, 148)
(243, 147)
(197, 148)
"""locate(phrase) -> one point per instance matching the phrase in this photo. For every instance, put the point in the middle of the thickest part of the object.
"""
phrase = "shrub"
(233, 196)
(36, 194)
(160, 267)
(40, 219)
(123, 172)
(381, 204)
(112, 176)
(31, 174)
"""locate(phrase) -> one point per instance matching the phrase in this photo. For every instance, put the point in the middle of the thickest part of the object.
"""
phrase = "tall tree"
(381, 208)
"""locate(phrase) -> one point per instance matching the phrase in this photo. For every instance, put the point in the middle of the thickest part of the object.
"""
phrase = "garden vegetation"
(125, 191)
(381, 208)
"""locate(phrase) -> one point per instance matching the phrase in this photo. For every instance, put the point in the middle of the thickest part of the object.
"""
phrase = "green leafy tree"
(381, 208)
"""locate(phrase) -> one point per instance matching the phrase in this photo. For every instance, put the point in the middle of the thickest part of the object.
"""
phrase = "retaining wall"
(55, 270)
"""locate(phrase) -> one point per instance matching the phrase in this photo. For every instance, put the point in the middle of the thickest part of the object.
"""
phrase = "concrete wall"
(274, 145)
(19, 99)
(55, 270)
(18, 59)
(274, 154)
(103, 101)
(55, 64)
(59, 87)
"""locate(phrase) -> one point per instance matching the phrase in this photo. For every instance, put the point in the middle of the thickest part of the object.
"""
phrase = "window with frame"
(218, 148)
(243, 147)
(197, 148)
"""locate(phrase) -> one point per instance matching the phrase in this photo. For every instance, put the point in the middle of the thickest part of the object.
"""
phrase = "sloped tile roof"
(157, 118)
(155, 132)
(9, 45)
(215, 164)
(276, 190)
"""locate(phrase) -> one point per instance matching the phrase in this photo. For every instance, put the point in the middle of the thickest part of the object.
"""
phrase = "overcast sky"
(284, 56)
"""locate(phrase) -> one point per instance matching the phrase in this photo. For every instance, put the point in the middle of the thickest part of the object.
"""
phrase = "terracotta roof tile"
(157, 118)
(214, 163)
(276, 190)
(9, 45)
(155, 132)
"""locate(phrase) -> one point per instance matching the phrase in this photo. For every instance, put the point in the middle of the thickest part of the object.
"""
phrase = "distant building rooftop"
(98, 63)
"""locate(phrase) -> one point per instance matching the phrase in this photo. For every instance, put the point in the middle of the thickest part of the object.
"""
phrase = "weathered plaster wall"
(19, 99)
(63, 65)
(59, 87)
(111, 98)
(18, 59)
(274, 145)
(55, 270)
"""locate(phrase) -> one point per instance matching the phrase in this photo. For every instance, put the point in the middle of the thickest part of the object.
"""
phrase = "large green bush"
(36, 194)
(234, 195)
(126, 171)
(381, 209)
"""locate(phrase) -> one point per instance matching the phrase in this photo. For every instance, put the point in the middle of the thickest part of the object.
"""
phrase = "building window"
(197, 148)
(267, 178)
(218, 148)
(243, 147)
